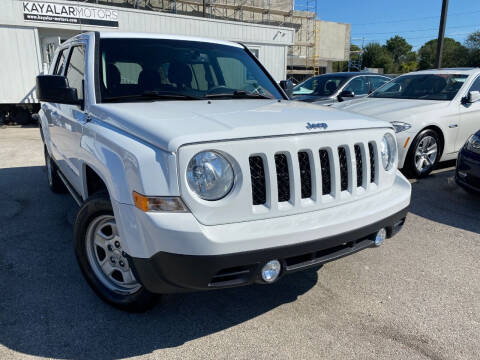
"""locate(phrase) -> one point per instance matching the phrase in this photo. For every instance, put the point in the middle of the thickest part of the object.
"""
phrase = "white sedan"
(433, 112)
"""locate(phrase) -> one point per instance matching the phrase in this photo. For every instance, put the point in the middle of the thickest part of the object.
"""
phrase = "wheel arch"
(435, 128)
(93, 182)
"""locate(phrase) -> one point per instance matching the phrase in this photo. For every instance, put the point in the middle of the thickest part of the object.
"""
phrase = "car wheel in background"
(54, 182)
(99, 252)
(424, 153)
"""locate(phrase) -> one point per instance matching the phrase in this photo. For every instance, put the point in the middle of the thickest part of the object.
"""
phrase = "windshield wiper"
(238, 94)
(152, 95)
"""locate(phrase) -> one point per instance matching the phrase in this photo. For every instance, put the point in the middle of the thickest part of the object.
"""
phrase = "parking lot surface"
(416, 297)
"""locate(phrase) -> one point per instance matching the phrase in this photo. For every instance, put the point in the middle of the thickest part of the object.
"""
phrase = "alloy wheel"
(426, 153)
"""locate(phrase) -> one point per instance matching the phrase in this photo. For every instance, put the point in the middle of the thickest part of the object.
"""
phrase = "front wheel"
(424, 153)
(99, 251)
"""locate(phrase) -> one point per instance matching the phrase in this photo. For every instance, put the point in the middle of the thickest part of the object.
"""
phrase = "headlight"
(210, 175)
(400, 126)
(473, 144)
(388, 150)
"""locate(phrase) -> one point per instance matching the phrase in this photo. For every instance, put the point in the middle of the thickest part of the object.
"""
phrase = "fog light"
(271, 270)
(380, 237)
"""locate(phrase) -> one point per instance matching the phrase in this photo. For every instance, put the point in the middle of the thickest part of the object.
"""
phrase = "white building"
(30, 31)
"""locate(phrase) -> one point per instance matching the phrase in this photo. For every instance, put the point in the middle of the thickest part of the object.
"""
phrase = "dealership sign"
(69, 14)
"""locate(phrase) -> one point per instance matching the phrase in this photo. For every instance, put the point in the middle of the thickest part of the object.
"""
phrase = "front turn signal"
(159, 203)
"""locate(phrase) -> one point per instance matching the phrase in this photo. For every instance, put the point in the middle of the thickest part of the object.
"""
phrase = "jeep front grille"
(354, 163)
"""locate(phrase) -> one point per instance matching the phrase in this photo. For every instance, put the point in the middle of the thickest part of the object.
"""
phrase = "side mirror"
(472, 97)
(345, 94)
(287, 86)
(55, 89)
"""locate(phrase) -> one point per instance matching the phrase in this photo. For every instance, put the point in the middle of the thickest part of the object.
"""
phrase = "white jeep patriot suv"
(194, 171)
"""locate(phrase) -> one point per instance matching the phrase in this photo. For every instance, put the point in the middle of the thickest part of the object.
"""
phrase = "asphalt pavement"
(416, 297)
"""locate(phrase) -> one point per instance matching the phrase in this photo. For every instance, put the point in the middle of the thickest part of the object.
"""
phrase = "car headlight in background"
(400, 126)
(473, 144)
(210, 175)
(388, 151)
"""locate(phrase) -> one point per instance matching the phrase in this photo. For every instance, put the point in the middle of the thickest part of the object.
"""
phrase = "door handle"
(452, 126)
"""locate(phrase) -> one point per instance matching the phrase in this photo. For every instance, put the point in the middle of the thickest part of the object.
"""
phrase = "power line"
(417, 37)
(418, 30)
(432, 37)
(415, 19)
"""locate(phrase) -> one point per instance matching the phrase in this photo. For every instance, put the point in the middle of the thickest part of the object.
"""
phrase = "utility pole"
(441, 34)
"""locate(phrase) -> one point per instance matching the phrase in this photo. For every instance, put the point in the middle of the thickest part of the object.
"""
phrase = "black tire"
(96, 206)
(410, 163)
(54, 182)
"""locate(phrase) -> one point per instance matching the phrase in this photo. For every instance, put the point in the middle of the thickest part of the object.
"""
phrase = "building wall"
(332, 41)
(19, 64)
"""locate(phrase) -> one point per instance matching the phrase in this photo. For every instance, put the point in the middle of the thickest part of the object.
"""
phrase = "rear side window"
(76, 70)
(58, 70)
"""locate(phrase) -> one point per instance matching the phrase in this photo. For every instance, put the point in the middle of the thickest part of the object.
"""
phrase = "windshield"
(155, 69)
(422, 87)
(324, 85)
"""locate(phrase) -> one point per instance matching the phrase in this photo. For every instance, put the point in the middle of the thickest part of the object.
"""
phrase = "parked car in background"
(336, 87)
(194, 171)
(433, 112)
(467, 174)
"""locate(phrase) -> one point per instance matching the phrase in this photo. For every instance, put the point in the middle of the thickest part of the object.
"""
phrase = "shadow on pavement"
(440, 199)
(47, 309)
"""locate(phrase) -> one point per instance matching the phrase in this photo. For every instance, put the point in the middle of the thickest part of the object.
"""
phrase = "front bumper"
(467, 173)
(169, 273)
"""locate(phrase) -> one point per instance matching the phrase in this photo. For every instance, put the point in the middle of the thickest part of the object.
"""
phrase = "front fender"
(128, 164)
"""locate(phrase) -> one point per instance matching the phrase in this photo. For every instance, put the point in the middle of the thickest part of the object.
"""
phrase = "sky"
(415, 20)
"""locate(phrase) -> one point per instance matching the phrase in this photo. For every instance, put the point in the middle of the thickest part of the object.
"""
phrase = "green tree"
(377, 56)
(473, 45)
(454, 54)
(399, 48)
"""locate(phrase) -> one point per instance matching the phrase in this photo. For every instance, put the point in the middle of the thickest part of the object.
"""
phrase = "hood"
(390, 109)
(170, 124)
